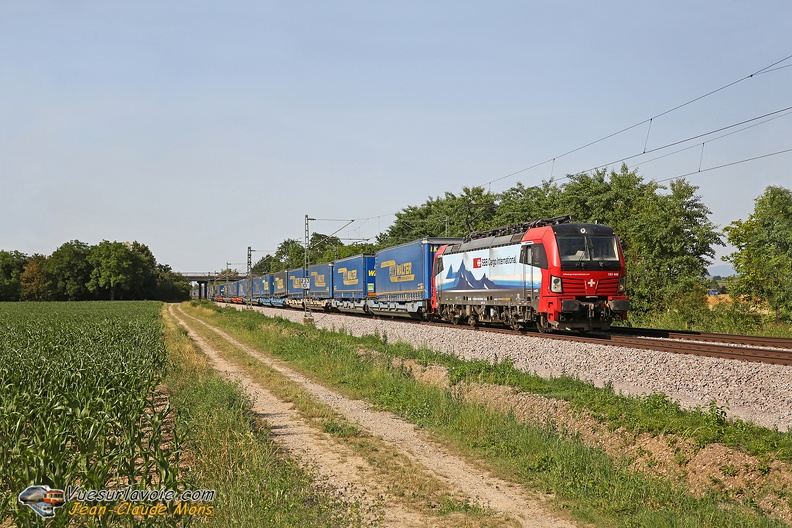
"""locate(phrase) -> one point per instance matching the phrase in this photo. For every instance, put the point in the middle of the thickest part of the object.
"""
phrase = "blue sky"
(202, 128)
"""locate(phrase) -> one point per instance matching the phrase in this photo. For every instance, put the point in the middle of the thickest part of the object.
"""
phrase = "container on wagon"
(295, 292)
(279, 284)
(403, 281)
(353, 283)
(243, 288)
(265, 299)
(321, 285)
(237, 292)
(255, 288)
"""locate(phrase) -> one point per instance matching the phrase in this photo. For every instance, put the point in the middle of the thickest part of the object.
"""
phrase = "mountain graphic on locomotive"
(549, 274)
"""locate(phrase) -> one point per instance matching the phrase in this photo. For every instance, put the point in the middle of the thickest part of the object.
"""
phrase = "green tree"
(323, 248)
(228, 274)
(669, 241)
(451, 215)
(171, 286)
(113, 273)
(70, 271)
(12, 264)
(521, 204)
(357, 248)
(290, 254)
(77, 271)
(35, 281)
(763, 260)
(263, 266)
(611, 198)
(145, 278)
(667, 237)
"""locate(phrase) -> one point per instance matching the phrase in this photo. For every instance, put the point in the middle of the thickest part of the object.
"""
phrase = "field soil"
(506, 504)
(713, 300)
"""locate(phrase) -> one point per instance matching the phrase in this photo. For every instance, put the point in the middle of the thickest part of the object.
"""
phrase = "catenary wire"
(698, 136)
(766, 69)
(730, 164)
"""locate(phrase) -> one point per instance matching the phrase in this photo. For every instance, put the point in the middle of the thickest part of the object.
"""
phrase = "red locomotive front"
(584, 276)
(548, 273)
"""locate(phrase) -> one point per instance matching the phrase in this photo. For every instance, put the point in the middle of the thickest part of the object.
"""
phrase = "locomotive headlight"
(622, 284)
(555, 284)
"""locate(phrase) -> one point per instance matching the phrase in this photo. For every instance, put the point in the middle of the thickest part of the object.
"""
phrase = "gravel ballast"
(755, 392)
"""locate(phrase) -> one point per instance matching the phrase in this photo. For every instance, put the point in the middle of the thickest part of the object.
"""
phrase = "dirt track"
(353, 474)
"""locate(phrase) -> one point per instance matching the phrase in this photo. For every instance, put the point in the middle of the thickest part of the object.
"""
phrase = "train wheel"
(510, 320)
(543, 326)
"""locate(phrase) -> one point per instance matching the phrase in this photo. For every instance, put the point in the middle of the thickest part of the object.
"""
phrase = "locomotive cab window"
(588, 252)
(539, 256)
(604, 248)
(534, 255)
(438, 266)
(525, 255)
(573, 248)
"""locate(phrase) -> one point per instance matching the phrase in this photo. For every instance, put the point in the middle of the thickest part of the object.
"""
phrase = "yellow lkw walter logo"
(399, 272)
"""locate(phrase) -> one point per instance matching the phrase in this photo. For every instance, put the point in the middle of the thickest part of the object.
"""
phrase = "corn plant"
(77, 406)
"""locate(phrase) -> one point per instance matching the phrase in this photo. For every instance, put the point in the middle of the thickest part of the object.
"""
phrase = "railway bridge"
(203, 278)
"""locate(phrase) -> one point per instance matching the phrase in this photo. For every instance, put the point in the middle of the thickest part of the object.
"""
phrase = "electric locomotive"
(549, 273)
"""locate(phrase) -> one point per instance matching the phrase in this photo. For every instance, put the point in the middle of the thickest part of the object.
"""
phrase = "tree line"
(290, 253)
(77, 271)
(665, 231)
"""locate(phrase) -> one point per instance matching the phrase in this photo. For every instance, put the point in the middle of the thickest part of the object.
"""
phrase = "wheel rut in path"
(345, 469)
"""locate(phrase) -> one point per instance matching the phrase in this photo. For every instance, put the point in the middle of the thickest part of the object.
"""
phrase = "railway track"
(774, 350)
(728, 346)
(756, 351)
(746, 340)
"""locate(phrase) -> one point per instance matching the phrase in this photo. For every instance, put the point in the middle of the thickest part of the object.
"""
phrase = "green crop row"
(78, 403)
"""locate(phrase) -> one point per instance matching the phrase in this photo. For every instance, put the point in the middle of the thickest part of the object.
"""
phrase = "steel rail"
(737, 339)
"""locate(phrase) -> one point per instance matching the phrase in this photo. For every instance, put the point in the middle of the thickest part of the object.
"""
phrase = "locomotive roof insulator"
(521, 227)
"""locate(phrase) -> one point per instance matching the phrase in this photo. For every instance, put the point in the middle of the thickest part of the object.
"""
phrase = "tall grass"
(725, 317)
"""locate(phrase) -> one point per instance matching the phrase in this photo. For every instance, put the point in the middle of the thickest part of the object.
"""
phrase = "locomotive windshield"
(589, 252)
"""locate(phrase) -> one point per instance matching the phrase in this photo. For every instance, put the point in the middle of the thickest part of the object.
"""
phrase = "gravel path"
(754, 392)
(352, 473)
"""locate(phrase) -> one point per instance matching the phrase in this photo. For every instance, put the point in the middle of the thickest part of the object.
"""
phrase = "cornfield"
(77, 401)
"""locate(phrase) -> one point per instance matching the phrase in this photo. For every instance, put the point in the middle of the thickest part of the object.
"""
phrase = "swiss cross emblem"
(476, 262)
(591, 283)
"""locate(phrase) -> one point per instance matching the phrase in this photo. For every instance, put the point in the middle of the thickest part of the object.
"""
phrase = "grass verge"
(407, 482)
(228, 450)
(585, 481)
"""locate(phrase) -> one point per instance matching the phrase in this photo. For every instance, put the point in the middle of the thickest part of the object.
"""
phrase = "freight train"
(548, 274)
